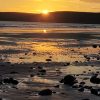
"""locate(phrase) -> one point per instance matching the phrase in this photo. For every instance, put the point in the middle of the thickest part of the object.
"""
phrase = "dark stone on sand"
(48, 60)
(54, 92)
(50, 56)
(76, 62)
(8, 62)
(67, 64)
(81, 89)
(10, 81)
(42, 71)
(82, 83)
(92, 65)
(94, 79)
(26, 53)
(88, 58)
(34, 53)
(69, 80)
(88, 87)
(84, 71)
(0, 80)
(75, 86)
(57, 86)
(77, 75)
(13, 72)
(98, 58)
(94, 46)
(63, 93)
(45, 92)
(97, 72)
(31, 67)
(39, 67)
(94, 91)
(85, 56)
(31, 75)
(21, 58)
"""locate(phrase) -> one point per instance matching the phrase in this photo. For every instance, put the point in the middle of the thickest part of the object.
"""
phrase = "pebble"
(94, 91)
(45, 92)
(81, 89)
(94, 46)
(57, 86)
(48, 60)
(10, 81)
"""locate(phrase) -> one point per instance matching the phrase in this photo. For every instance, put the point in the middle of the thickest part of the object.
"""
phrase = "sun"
(46, 12)
(44, 31)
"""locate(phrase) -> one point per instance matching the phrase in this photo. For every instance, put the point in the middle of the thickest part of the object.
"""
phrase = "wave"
(46, 25)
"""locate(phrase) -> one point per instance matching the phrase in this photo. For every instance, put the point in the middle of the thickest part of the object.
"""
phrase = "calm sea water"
(38, 27)
(36, 42)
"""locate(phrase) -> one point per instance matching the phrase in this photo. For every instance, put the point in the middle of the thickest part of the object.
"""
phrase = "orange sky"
(51, 5)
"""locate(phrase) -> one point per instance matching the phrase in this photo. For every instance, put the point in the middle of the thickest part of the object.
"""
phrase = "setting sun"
(45, 12)
(44, 31)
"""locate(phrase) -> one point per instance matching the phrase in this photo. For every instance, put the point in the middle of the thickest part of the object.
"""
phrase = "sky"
(37, 6)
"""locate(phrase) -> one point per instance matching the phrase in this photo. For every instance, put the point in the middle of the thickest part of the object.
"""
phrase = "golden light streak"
(44, 31)
(46, 12)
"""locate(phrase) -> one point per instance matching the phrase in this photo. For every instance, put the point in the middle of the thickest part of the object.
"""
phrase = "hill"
(60, 16)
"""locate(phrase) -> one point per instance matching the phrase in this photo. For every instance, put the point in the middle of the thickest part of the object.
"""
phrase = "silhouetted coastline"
(59, 17)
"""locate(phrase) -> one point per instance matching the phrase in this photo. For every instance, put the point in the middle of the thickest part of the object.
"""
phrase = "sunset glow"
(35, 6)
(44, 31)
(46, 12)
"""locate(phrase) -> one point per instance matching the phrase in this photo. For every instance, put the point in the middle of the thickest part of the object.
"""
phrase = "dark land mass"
(61, 17)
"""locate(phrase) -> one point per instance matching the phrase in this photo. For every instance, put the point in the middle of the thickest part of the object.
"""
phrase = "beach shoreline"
(32, 62)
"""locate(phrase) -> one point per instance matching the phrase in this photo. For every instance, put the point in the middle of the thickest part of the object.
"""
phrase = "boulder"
(69, 80)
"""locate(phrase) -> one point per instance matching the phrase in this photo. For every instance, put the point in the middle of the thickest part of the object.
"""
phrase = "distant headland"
(58, 17)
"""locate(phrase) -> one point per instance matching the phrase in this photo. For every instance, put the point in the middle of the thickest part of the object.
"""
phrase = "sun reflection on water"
(46, 47)
(44, 31)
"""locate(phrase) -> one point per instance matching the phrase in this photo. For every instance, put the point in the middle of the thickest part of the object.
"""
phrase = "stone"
(13, 72)
(94, 79)
(10, 81)
(81, 89)
(48, 60)
(94, 46)
(45, 92)
(94, 91)
(57, 86)
(42, 71)
(69, 80)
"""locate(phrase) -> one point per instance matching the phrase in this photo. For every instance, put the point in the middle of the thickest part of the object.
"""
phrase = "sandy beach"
(39, 61)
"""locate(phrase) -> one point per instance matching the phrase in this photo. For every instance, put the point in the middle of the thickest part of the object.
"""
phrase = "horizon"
(38, 6)
(48, 12)
(58, 16)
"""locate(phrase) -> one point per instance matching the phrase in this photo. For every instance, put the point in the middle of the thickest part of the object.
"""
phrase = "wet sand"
(40, 63)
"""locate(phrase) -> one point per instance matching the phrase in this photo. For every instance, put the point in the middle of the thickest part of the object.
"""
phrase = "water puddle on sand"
(38, 51)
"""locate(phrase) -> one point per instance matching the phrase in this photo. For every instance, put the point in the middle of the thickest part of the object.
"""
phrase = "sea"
(40, 27)
(25, 42)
